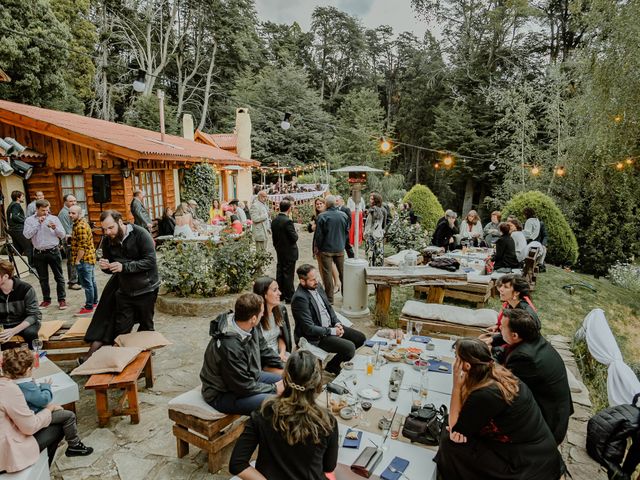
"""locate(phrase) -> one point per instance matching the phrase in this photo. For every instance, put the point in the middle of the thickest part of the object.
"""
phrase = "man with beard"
(318, 323)
(129, 254)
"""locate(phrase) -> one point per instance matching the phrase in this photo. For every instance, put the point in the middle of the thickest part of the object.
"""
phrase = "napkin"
(371, 343)
(399, 464)
(349, 443)
(435, 364)
(420, 339)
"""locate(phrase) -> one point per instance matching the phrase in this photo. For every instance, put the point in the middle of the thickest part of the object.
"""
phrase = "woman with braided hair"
(496, 430)
(297, 437)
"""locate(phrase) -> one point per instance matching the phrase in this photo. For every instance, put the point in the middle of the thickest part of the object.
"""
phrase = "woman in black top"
(167, 223)
(505, 256)
(496, 429)
(297, 438)
(443, 236)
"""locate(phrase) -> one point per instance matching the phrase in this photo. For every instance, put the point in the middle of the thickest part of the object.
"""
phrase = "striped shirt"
(82, 239)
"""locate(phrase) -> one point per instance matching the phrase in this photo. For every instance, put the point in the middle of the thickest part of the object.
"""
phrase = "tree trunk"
(207, 88)
(468, 196)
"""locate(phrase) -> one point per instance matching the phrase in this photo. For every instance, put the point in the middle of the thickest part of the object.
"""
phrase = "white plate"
(370, 393)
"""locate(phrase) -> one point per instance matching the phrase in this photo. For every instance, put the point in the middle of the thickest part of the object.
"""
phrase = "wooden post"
(436, 294)
(383, 304)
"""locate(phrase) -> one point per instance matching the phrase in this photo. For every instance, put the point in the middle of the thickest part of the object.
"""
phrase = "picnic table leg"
(183, 447)
(102, 406)
(383, 304)
(132, 397)
(436, 294)
(148, 374)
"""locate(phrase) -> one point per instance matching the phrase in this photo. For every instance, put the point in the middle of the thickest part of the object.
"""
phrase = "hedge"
(562, 248)
(425, 205)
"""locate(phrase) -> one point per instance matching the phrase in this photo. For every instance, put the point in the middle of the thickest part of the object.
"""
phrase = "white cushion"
(483, 317)
(192, 403)
(38, 471)
(475, 278)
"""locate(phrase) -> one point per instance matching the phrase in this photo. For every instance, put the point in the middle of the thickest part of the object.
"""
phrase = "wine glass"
(98, 253)
(37, 348)
(418, 327)
(366, 406)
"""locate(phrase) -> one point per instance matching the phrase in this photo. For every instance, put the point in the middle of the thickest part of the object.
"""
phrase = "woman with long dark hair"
(496, 430)
(274, 324)
(297, 438)
(167, 223)
(374, 230)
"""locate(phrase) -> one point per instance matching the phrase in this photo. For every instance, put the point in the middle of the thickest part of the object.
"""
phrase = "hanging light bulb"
(139, 82)
(385, 145)
(619, 166)
(618, 118)
(436, 165)
(629, 161)
(560, 171)
(492, 167)
(447, 161)
(285, 125)
(535, 171)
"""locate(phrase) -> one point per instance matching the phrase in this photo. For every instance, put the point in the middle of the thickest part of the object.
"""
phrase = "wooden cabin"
(72, 154)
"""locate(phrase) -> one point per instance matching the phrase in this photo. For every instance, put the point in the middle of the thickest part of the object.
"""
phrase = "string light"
(619, 166)
(436, 165)
(618, 118)
(535, 171)
(385, 145)
(629, 161)
(448, 161)
(560, 171)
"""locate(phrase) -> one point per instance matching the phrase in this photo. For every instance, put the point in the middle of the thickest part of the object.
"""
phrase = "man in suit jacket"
(261, 223)
(532, 359)
(139, 211)
(285, 240)
(317, 321)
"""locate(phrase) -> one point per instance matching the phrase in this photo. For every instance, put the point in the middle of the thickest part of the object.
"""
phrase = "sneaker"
(84, 311)
(44, 304)
(75, 286)
(62, 305)
(78, 450)
(95, 305)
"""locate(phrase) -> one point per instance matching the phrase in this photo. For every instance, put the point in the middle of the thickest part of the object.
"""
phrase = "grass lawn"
(562, 314)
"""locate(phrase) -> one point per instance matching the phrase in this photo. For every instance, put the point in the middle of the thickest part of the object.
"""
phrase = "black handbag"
(445, 263)
(425, 424)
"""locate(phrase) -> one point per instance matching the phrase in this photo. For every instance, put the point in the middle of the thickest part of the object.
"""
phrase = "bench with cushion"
(478, 290)
(199, 424)
(127, 381)
(37, 471)
(448, 319)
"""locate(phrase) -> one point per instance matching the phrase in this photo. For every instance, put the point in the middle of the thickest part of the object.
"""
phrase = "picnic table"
(384, 278)
(64, 388)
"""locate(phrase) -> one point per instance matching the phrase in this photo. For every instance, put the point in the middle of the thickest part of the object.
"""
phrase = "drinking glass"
(418, 327)
(98, 253)
(424, 384)
(24, 346)
(366, 406)
(395, 427)
(369, 365)
(399, 335)
(415, 396)
(37, 348)
(409, 328)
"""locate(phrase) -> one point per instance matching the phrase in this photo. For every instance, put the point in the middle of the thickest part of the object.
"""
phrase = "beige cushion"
(192, 403)
(47, 329)
(483, 317)
(475, 278)
(78, 329)
(143, 340)
(107, 360)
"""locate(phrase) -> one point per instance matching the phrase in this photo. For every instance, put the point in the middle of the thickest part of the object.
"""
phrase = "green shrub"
(425, 205)
(402, 235)
(562, 248)
(200, 183)
(209, 269)
(626, 276)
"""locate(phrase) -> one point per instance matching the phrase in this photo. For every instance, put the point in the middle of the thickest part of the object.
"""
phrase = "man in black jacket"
(446, 229)
(233, 380)
(331, 237)
(15, 222)
(317, 321)
(532, 359)
(285, 238)
(19, 312)
(130, 253)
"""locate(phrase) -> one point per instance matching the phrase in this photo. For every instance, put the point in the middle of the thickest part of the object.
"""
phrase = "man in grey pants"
(67, 224)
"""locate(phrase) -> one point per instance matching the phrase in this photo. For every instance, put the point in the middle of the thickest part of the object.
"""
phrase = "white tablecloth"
(64, 388)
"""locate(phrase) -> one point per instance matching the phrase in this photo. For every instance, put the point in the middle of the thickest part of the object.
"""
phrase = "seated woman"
(24, 434)
(296, 437)
(215, 212)
(471, 229)
(185, 227)
(491, 229)
(518, 238)
(274, 325)
(235, 226)
(496, 430)
(167, 223)
(445, 231)
(505, 256)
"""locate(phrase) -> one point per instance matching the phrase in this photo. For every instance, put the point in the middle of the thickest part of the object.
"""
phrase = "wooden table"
(64, 389)
(384, 278)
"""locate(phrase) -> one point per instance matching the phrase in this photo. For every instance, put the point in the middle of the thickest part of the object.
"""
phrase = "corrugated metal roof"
(134, 143)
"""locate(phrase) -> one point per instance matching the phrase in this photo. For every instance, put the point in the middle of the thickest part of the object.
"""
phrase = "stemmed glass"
(37, 348)
(98, 253)
(418, 327)
(366, 406)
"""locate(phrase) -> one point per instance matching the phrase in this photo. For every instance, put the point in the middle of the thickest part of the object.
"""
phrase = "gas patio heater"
(354, 301)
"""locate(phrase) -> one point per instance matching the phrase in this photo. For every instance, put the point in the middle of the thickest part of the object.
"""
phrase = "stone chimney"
(243, 131)
(187, 127)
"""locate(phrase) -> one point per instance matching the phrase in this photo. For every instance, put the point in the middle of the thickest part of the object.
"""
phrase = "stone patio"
(147, 450)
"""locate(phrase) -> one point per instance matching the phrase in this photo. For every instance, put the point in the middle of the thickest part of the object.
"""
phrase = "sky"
(372, 13)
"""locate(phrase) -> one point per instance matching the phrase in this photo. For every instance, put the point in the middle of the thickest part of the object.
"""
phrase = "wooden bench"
(440, 328)
(127, 381)
(62, 349)
(531, 269)
(447, 319)
(211, 436)
(478, 293)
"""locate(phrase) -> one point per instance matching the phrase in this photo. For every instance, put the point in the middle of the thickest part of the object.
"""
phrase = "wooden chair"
(127, 381)
(531, 269)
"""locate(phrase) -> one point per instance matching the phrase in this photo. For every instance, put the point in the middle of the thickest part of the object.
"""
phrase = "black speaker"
(101, 188)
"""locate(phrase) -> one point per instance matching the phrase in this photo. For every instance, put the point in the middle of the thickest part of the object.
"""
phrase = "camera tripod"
(7, 242)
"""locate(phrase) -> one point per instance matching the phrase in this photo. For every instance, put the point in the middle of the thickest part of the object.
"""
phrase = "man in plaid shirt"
(83, 256)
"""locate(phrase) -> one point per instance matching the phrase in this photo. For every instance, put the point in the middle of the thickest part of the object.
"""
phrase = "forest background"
(521, 95)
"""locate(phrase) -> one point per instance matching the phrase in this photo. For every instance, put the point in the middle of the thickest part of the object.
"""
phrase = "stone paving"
(147, 450)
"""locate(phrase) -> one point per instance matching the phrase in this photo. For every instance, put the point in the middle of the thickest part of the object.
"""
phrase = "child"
(18, 364)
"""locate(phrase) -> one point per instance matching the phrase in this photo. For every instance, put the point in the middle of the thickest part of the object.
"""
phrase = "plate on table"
(370, 393)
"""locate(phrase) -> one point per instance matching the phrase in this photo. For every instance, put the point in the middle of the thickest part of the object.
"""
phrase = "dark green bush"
(402, 235)
(562, 248)
(209, 269)
(425, 205)
(200, 183)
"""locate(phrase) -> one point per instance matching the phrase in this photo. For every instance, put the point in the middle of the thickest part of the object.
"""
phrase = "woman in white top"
(518, 238)
(274, 324)
(471, 228)
(185, 227)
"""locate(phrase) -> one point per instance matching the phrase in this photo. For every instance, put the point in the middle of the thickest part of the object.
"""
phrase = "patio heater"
(354, 301)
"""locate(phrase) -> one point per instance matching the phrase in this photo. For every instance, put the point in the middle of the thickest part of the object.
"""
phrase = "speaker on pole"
(101, 188)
